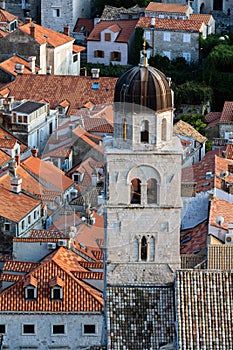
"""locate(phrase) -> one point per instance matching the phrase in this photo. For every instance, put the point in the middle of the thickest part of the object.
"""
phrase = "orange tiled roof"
(4, 134)
(47, 172)
(219, 207)
(206, 18)
(229, 151)
(3, 33)
(78, 48)
(126, 28)
(4, 158)
(19, 266)
(77, 295)
(10, 277)
(197, 172)
(16, 206)
(84, 25)
(6, 16)
(221, 164)
(56, 88)
(194, 239)
(186, 129)
(227, 112)
(89, 275)
(9, 65)
(170, 8)
(43, 35)
(97, 125)
(92, 264)
(171, 24)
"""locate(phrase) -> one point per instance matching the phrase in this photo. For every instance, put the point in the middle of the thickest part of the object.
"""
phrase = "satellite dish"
(220, 220)
(224, 173)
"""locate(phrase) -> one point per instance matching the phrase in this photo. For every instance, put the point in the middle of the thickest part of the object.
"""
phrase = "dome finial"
(144, 61)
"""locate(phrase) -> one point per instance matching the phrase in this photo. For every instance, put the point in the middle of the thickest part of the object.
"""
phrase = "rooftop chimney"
(95, 72)
(19, 68)
(49, 70)
(34, 152)
(17, 159)
(28, 20)
(67, 30)
(32, 63)
(32, 30)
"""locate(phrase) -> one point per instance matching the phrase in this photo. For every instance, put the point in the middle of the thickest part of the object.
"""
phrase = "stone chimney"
(28, 20)
(17, 159)
(67, 30)
(15, 181)
(49, 70)
(32, 63)
(34, 152)
(19, 68)
(32, 30)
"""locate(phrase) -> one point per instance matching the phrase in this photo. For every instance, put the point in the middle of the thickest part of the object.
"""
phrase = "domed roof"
(144, 86)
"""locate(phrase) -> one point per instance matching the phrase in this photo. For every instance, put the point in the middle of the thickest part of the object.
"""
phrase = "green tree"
(196, 120)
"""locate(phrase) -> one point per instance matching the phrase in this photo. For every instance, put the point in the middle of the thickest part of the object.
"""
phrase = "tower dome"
(145, 86)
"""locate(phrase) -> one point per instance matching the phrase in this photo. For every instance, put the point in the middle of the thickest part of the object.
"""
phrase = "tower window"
(144, 249)
(164, 129)
(145, 131)
(152, 191)
(135, 191)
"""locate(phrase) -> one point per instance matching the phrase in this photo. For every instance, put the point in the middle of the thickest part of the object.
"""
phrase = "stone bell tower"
(143, 199)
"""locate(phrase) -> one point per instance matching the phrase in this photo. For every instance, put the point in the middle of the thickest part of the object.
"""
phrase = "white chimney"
(19, 68)
(95, 72)
(32, 64)
(16, 185)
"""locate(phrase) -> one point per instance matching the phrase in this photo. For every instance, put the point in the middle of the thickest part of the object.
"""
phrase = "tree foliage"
(196, 120)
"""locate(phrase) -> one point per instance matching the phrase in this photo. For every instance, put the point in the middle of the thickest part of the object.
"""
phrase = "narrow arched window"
(144, 249)
(152, 195)
(145, 131)
(135, 191)
(164, 129)
(124, 130)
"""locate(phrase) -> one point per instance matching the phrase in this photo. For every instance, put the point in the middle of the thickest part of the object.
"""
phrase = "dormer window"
(30, 288)
(107, 37)
(56, 288)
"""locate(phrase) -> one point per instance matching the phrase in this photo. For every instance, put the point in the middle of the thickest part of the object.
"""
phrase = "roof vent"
(62, 243)
(51, 245)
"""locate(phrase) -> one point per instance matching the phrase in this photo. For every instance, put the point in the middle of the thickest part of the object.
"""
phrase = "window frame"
(166, 36)
(56, 288)
(99, 54)
(28, 333)
(26, 296)
(89, 333)
(186, 38)
(5, 328)
(186, 56)
(115, 56)
(107, 36)
(7, 224)
(58, 325)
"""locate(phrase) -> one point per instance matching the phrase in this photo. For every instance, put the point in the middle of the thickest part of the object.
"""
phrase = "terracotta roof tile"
(166, 7)
(56, 281)
(171, 24)
(206, 18)
(4, 134)
(84, 25)
(55, 89)
(126, 28)
(92, 265)
(89, 275)
(222, 165)
(97, 125)
(78, 48)
(30, 281)
(20, 266)
(10, 277)
(219, 207)
(48, 173)
(194, 239)
(212, 116)
(4, 158)
(16, 206)
(43, 35)
(186, 129)
(77, 295)
(197, 172)
(229, 151)
(9, 65)
(227, 112)
(48, 234)
(6, 16)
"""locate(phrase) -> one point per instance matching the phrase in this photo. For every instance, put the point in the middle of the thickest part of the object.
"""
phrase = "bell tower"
(143, 182)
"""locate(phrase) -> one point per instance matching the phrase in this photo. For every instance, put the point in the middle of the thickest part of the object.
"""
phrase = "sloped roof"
(221, 164)
(47, 172)
(165, 7)
(84, 25)
(171, 24)
(186, 129)
(126, 28)
(44, 35)
(9, 65)
(194, 239)
(219, 207)
(97, 125)
(15, 207)
(206, 18)
(6, 16)
(197, 172)
(78, 48)
(19, 266)
(4, 158)
(77, 295)
(227, 112)
(7, 136)
(204, 309)
(56, 88)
